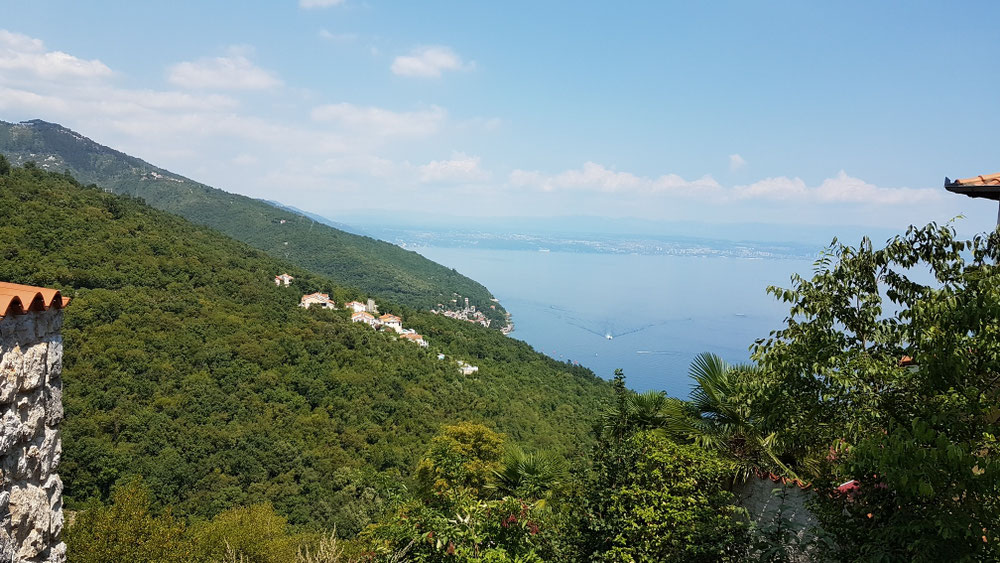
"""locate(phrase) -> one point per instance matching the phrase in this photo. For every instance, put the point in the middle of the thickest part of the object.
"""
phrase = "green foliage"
(455, 515)
(921, 439)
(4, 166)
(254, 532)
(128, 529)
(529, 476)
(462, 459)
(185, 365)
(728, 413)
(653, 500)
(375, 267)
(125, 530)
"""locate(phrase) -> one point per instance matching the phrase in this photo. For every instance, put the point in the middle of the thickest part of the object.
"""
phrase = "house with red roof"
(414, 337)
(318, 299)
(364, 317)
(391, 321)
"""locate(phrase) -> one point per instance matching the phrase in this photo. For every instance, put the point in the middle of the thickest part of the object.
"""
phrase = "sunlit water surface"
(660, 311)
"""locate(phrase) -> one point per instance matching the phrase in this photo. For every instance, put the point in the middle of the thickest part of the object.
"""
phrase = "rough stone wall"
(770, 504)
(31, 516)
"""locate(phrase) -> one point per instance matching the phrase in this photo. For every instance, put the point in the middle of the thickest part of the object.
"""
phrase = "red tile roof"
(388, 318)
(17, 299)
(988, 180)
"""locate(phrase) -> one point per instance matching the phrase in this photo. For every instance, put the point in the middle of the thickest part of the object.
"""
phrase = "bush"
(652, 500)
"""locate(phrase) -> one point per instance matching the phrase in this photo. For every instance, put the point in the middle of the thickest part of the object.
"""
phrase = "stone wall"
(774, 503)
(31, 516)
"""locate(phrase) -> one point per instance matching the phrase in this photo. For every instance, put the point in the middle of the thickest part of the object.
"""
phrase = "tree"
(533, 477)
(653, 500)
(125, 530)
(726, 414)
(918, 435)
(4, 166)
(465, 456)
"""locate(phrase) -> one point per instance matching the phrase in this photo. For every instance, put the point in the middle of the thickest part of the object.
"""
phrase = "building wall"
(31, 516)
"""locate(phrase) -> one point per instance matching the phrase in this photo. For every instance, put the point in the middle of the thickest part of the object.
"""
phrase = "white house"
(318, 299)
(392, 321)
(414, 337)
(364, 317)
(283, 279)
(466, 368)
(355, 306)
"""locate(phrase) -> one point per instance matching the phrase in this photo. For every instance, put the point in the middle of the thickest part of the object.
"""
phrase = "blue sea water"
(661, 311)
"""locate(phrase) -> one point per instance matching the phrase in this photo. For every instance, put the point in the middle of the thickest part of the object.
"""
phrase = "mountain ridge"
(187, 366)
(376, 267)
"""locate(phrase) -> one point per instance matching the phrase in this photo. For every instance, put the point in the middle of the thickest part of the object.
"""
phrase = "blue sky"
(846, 113)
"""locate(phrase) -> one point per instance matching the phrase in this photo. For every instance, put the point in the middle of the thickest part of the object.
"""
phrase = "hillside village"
(368, 314)
(469, 313)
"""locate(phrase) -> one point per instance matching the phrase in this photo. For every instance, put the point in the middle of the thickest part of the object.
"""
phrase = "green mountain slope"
(376, 267)
(186, 365)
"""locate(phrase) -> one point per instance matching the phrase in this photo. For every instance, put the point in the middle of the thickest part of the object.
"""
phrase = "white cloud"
(328, 35)
(429, 62)
(308, 4)
(839, 189)
(461, 168)
(19, 52)
(232, 72)
(382, 122)
(736, 162)
(597, 178)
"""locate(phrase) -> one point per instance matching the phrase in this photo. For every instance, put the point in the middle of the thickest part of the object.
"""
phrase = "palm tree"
(723, 415)
(534, 477)
(634, 412)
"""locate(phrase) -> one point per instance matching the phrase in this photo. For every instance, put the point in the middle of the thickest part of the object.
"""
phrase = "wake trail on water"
(605, 330)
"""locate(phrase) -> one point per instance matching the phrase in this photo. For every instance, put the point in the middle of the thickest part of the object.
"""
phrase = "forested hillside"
(371, 265)
(185, 365)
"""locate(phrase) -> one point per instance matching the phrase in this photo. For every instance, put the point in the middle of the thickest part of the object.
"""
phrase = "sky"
(782, 113)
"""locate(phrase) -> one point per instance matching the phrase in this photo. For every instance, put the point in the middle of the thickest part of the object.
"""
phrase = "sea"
(649, 315)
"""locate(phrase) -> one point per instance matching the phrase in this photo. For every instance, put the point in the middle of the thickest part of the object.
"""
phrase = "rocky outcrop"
(31, 516)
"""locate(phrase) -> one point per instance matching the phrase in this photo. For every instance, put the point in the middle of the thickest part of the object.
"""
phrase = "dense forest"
(374, 266)
(187, 366)
(209, 419)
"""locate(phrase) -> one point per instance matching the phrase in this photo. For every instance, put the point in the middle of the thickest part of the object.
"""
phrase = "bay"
(659, 311)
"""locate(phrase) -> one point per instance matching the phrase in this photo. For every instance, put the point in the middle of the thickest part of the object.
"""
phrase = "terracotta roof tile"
(988, 180)
(17, 299)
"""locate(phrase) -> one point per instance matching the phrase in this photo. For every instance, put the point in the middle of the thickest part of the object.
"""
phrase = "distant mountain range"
(323, 246)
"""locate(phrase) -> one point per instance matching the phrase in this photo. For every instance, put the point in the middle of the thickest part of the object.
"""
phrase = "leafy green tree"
(253, 532)
(653, 500)
(4, 166)
(126, 530)
(455, 515)
(918, 435)
(463, 457)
